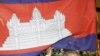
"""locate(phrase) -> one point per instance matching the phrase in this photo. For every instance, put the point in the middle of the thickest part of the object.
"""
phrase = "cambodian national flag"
(27, 27)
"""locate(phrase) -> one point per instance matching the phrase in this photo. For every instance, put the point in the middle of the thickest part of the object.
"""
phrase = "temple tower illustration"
(29, 34)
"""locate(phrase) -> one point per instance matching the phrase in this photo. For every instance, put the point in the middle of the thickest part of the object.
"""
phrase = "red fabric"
(80, 15)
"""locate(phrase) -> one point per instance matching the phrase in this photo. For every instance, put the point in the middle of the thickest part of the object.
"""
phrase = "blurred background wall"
(98, 14)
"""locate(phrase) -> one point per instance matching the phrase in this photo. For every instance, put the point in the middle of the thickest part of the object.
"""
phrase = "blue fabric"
(87, 43)
(25, 54)
(25, 1)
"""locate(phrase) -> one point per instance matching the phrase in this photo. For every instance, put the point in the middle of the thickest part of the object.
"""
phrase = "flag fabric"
(27, 27)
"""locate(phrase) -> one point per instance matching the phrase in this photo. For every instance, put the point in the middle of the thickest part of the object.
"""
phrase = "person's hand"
(49, 52)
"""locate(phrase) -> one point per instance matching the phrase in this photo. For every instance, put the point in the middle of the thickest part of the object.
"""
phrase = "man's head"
(72, 53)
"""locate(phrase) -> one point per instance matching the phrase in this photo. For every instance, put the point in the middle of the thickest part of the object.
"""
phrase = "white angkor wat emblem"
(37, 32)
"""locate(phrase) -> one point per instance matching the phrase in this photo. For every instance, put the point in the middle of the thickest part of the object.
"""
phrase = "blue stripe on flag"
(24, 54)
(87, 43)
(26, 1)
